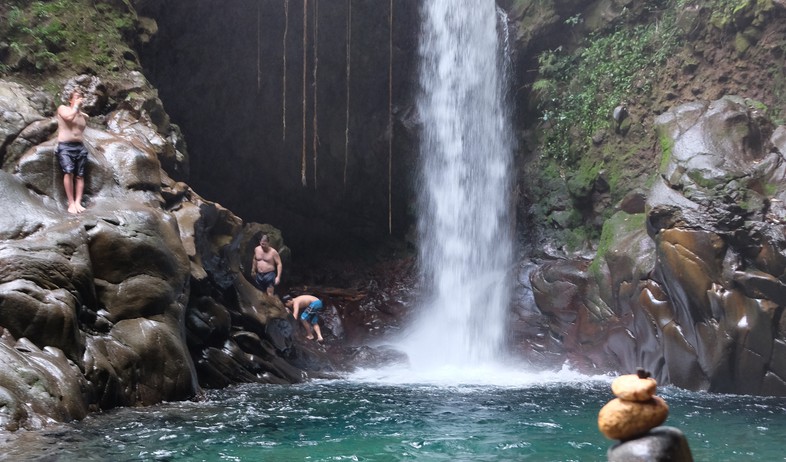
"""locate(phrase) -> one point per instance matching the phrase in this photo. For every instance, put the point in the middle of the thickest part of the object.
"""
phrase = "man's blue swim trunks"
(310, 313)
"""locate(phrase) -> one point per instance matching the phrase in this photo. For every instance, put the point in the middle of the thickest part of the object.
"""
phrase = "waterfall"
(465, 236)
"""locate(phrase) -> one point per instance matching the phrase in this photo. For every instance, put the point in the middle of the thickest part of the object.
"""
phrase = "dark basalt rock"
(696, 295)
(145, 296)
(661, 444)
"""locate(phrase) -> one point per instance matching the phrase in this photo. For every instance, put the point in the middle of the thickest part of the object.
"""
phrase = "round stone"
(620, 419)
(633, 388)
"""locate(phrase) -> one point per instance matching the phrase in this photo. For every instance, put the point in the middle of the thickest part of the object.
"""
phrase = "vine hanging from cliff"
(305, 78)
(284, 73)
(390, 119)
(314, 136)
(259, 41)
(346, 123)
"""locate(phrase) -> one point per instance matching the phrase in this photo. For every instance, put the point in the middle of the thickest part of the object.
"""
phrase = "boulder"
(694, 292)
(661, 444)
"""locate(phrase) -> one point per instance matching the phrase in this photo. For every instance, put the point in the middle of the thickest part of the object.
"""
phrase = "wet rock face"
(100, 296)
(141, 298)
(709, 258)
(698, 299)
(24, 120)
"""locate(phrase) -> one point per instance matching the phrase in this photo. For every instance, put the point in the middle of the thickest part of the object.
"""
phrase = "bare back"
(303, 300)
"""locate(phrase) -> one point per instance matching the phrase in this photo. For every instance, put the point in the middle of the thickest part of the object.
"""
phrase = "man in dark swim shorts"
(72, 157)
(265, 280)
(266, 266)
(70, 151)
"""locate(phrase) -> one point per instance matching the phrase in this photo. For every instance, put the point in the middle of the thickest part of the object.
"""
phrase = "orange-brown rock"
(622, 420)
(631, 387)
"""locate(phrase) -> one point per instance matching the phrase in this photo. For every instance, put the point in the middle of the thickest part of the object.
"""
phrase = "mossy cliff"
(651, 186)
(49, 40)
(587, 119)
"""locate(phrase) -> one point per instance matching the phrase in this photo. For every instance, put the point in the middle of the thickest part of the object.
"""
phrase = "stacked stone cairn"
(634, 416)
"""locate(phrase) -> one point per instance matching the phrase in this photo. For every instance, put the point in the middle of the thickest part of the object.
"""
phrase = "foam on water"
(492, 374)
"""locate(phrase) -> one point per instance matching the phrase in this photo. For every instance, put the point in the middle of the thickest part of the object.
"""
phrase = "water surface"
(350, 420)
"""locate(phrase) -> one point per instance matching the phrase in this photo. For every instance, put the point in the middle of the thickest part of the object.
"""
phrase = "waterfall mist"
(464, 204)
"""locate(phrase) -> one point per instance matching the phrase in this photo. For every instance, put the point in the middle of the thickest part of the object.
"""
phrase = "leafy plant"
(574, 20)
(76, 34)
(578, 91)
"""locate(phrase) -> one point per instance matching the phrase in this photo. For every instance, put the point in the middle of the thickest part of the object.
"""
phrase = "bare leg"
(319, 332)
(80, 188)
(269, 290)
(68, 185)
(307, 325)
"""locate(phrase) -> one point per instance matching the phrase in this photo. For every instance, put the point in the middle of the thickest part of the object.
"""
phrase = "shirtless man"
(311, 306)
(266, 266)
(71, 152)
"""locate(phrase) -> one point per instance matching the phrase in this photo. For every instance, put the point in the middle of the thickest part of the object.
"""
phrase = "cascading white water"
(465, 220)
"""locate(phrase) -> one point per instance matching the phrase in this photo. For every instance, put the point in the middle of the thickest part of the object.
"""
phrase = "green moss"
(741, 43)
(666, 146)
(576, 238)
(757, 105)
(70, 35)
(730, 15)
(583, 180)
(614, 228)
(618, 165)
(699, 179)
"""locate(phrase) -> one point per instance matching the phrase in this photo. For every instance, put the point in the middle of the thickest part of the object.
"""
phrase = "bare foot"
(72, 208)
(310, 337)
(79, 208)
(320, 340)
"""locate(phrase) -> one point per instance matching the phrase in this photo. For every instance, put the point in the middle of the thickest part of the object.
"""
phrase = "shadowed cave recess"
(293, 118)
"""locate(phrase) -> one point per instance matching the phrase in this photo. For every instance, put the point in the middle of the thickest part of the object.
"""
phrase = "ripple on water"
(352, 420)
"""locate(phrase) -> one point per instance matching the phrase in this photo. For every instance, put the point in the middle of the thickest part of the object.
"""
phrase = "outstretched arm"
(295, 308)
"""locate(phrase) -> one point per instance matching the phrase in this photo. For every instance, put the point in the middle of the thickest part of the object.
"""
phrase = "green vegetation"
(729, 15)
(76, 35)
(579, 91)
(666, 145)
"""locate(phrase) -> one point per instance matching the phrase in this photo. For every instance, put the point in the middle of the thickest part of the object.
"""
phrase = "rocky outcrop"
(141, 298)
(697, 295)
